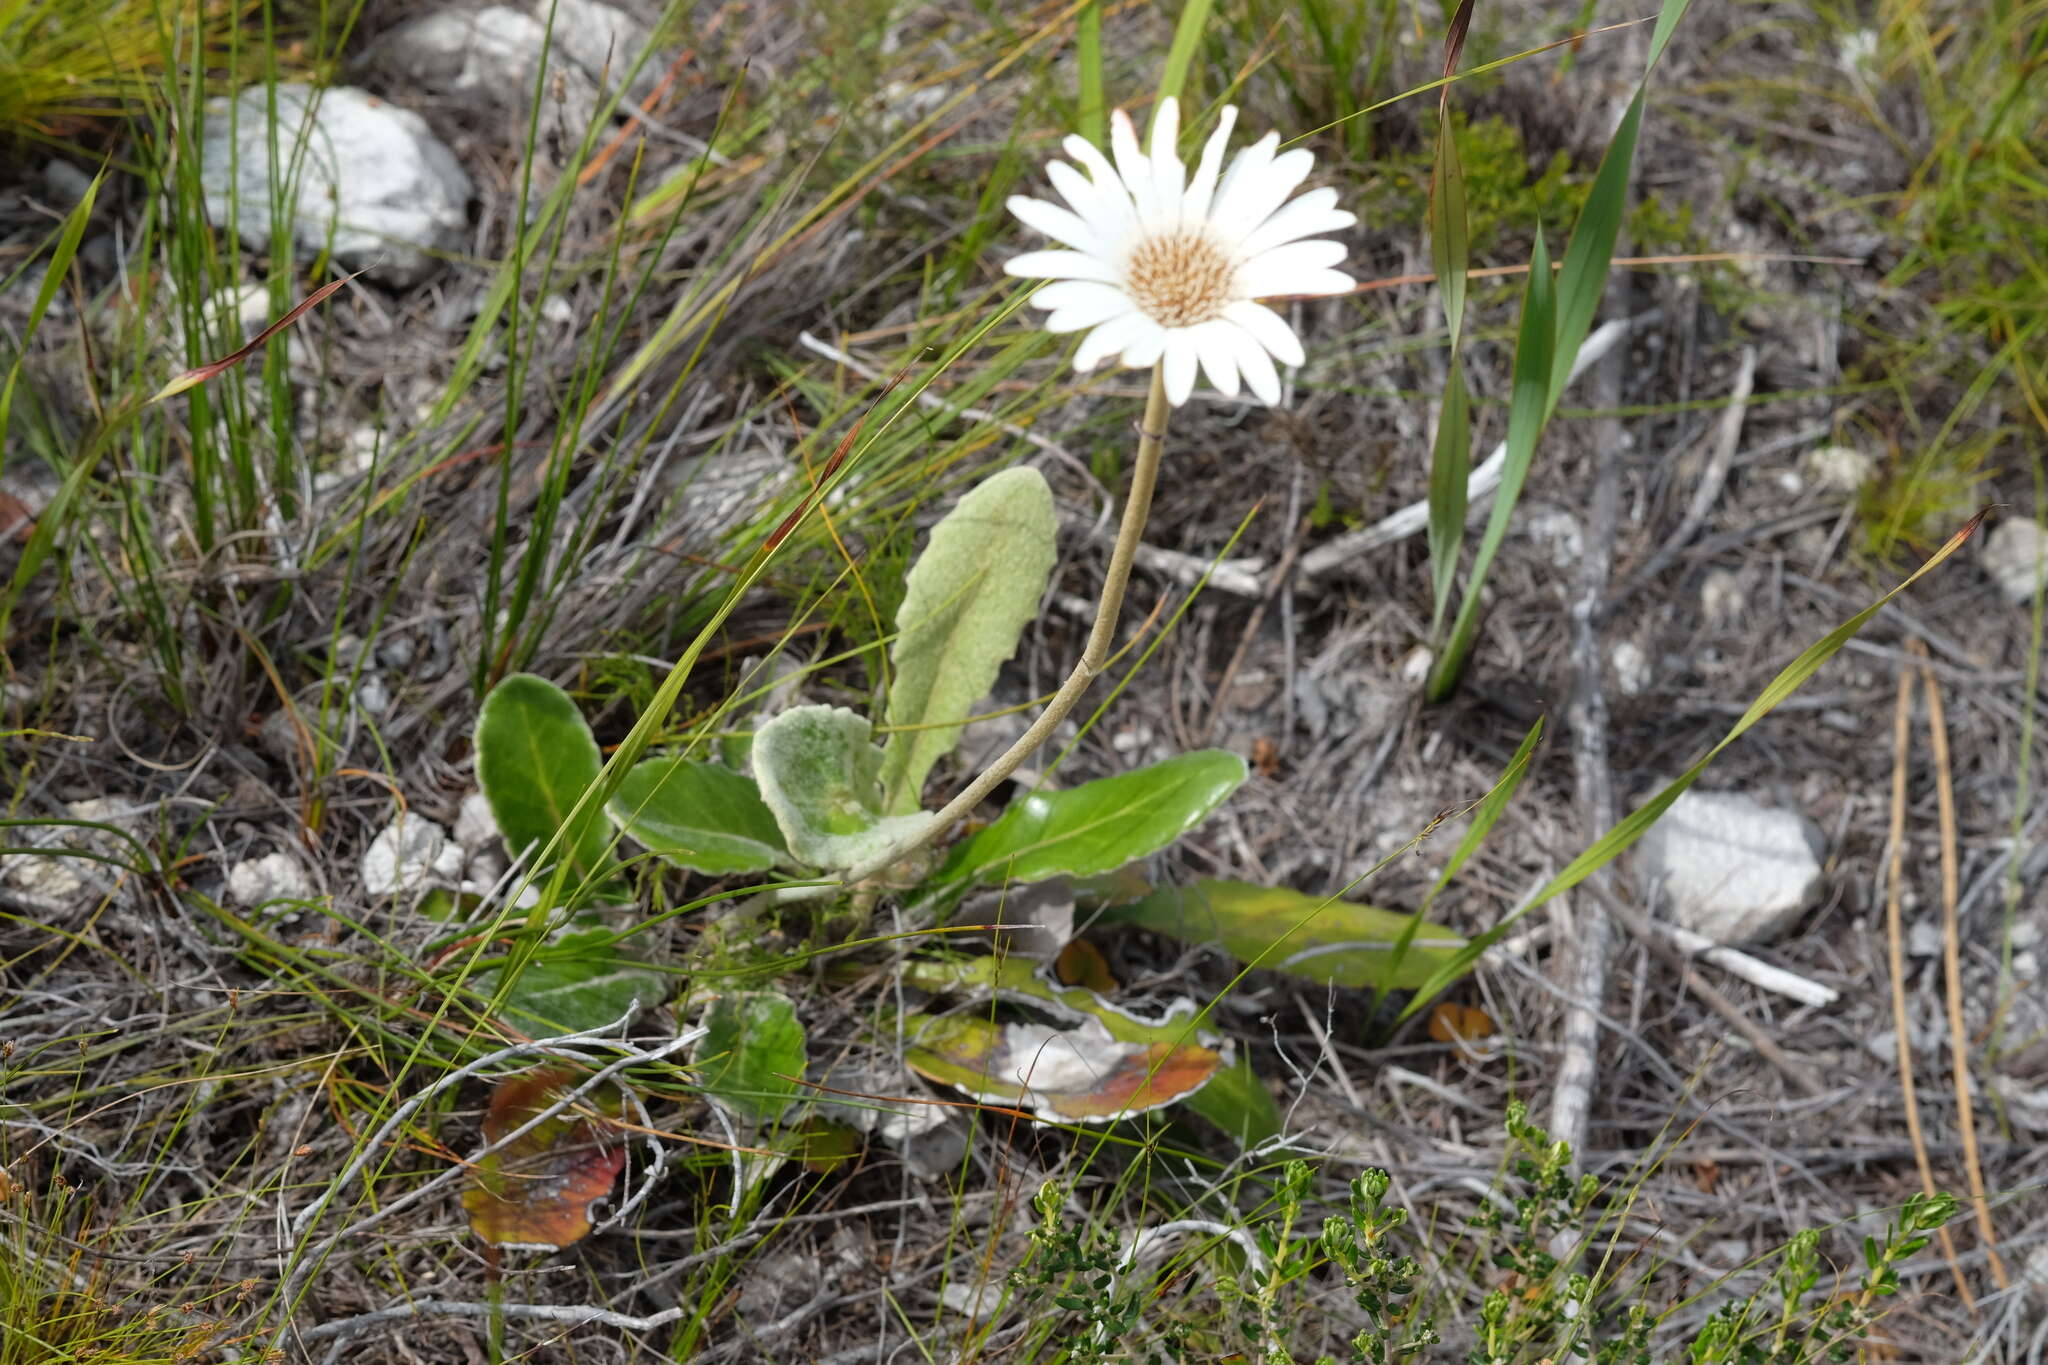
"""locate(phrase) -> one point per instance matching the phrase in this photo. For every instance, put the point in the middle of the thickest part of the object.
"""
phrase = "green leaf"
(703, 816)
(580, 980)
(535, 758)
(965, 605)
(1237, 1101)
(1187, 36)
(752, 1056)
(820, 775)
(1321, 938)
(1528, 410)
(1098, 826)
(1091, 119)
(1080, 1074)
(1489, 811)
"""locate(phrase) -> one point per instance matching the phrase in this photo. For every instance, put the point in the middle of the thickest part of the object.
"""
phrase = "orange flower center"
(1180, 278)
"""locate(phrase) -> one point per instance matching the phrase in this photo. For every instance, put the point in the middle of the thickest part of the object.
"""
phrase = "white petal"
(1143, 353)
(1268, 329)
(1280, 270)
(1252, 161)
(1110, 338)
(1169, 181)
(1180, 365)
(1314, 213)
(1217, 344)
(1317, 282)
(1132, 166)
(1259, 374)
(1202, 189)
(1077, 304)
(1058, 224)
(1060, 265)
(1105, 218)
(1252, 201)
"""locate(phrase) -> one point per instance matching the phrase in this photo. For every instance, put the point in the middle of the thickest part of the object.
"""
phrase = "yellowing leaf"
(1063, 1075)
(537, 1190)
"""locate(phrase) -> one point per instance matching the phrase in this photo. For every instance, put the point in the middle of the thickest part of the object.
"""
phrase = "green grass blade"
(1612, 844)
(1488, 813)
(1528, 407)
(1187, 36)
(1582, 279)
(1450, 249)
(1092, 118)
(1450, 468)
(68, 235)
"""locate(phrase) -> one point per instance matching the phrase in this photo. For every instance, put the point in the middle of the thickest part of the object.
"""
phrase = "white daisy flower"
(1166, 268)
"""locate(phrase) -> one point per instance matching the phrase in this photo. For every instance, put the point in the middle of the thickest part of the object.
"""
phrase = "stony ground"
(1702, 503)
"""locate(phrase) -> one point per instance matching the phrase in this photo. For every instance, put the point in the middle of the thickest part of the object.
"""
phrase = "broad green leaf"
(703, 816)
(1079, 1074)
(820, 775)
(580, 980)
(535, 758)
(1528, 410)
(1237, 1101)
(1327, 940)
(752, 1055)
(965, 605)
(537, 1190)
(1098, 826)
(1613, 843)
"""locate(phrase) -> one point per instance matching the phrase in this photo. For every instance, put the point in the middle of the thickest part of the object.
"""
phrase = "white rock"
(407, 854)
(1558, 532)
(44, 878)
(373, 694)
(604, 40)
(2016, 555)
(386, 187)
(273, 877)
(1839, 469)
(1923, 939)
(1631, 667)
(1722, 600)
(1415, 665)
(492, 55)
(1729, 868)
(475, 826)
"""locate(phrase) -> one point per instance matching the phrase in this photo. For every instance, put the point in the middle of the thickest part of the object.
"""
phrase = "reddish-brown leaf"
(537, 1191)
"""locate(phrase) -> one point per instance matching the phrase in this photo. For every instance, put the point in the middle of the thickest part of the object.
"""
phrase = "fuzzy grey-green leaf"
(819, 773)
(965, 605)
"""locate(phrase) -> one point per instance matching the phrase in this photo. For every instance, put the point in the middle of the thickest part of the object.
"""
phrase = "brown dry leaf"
(537, 1191)
(1071, 1075)
(1454, 1023)
(1081, 963)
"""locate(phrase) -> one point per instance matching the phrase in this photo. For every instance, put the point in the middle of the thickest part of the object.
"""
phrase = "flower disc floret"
(1165, 267)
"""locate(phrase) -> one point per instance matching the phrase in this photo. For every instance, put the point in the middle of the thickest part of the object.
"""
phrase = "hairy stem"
(1137, 510)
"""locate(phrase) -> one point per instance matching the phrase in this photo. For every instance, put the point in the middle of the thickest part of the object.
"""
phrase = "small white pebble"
(273, 877)
(1923, 939)
(407, 854)
(2016, 555)
(1840, 469)
(1722, 600)
(1416, 664)
(1631, 667)
(475, 826)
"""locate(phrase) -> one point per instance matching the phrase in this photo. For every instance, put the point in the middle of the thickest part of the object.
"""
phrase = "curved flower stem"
(1137, 510)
